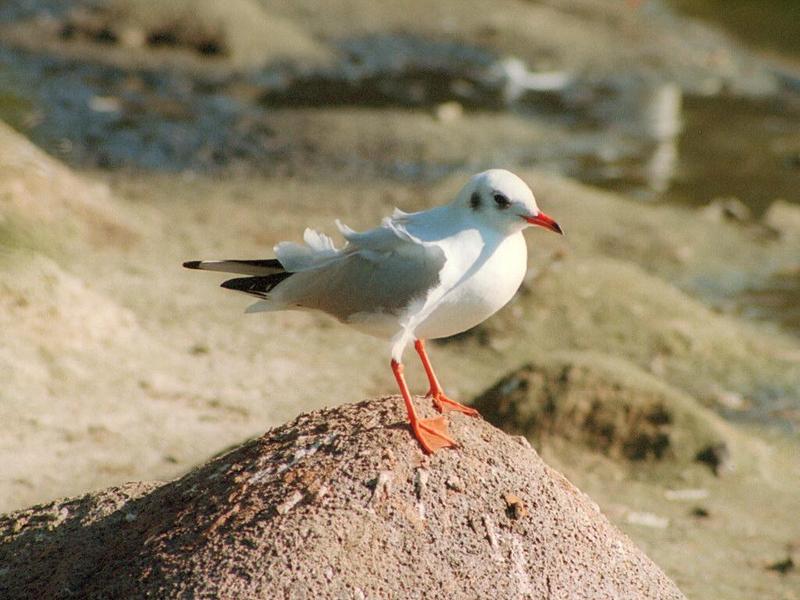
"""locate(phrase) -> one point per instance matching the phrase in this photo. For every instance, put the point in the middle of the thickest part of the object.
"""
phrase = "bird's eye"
(501, 201)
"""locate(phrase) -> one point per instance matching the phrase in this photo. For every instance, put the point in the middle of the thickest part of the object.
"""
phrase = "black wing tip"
(238, 283)
(248, 285)
(257, 286)
(192, 264)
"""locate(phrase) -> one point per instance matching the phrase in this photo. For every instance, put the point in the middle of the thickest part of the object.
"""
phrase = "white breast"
(480, 295)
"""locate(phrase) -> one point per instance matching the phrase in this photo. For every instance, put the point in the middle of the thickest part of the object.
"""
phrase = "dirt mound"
(239, 34)
(338, 503)
(606, 404)
(37, 191)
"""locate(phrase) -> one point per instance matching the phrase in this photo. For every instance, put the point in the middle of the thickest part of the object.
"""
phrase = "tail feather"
(260, 267)
(256, 286)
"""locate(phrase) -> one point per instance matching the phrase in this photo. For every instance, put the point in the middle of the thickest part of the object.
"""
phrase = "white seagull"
(418, 276)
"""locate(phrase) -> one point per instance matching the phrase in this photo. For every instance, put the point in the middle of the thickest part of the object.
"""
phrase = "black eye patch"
(501, 201)
(475, 201)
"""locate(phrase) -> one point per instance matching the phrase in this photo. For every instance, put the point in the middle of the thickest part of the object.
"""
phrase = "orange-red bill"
(542, 220)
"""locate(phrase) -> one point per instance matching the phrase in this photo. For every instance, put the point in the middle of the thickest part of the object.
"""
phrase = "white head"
(501, 200)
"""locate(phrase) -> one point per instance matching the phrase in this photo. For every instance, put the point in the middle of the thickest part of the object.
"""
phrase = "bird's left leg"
(432, 434)
(440, 401)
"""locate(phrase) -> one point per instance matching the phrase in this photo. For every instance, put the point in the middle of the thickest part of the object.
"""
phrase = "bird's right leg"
(432, 434)
(440, 400)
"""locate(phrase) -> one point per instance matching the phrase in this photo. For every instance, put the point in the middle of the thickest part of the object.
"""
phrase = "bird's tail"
(261, 267)
(265, 275)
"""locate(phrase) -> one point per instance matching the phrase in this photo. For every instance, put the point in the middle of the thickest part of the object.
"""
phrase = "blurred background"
(653, 354)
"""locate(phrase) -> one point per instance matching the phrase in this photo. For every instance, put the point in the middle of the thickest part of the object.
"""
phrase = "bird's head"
(501, 200)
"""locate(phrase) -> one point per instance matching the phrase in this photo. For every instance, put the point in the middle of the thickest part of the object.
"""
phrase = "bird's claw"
(432, 434)
(444, 404)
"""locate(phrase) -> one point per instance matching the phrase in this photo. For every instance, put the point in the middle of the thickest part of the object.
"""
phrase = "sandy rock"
(319, 508)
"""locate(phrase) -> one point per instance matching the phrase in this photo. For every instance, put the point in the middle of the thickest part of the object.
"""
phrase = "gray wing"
(366, 281)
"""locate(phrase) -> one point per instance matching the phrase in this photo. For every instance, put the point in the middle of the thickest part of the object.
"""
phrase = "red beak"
(542, 220)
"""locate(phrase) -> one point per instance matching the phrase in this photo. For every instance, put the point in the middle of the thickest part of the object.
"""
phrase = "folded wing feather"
(380, 270)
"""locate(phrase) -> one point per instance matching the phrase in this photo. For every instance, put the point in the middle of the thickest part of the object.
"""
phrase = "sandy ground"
(124, 366)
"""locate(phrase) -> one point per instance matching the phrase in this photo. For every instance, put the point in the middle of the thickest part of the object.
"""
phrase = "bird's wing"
(391, 235)
(317, 252)
(319, 249)
(382, 270)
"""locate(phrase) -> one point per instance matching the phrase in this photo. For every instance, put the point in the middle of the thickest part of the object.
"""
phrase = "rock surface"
(339, 503)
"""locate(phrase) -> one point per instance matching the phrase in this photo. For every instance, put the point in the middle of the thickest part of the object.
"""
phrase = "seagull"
(418, 276)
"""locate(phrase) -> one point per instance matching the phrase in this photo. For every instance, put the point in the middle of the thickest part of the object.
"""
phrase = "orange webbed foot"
(444, 404)
(432, 434)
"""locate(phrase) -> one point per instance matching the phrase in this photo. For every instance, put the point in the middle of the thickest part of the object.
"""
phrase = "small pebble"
(686, 494)
(454, 483)
(447, 112)
(515, 507)
(647, 520)
(716, 456)
(288, 504)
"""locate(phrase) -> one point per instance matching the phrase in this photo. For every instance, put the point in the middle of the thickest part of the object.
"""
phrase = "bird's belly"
(482, 295)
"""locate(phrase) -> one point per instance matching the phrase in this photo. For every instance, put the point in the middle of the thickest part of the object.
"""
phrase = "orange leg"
(432, 434)
(436, 393)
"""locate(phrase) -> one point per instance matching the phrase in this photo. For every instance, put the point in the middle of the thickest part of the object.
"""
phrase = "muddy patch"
(603, 405)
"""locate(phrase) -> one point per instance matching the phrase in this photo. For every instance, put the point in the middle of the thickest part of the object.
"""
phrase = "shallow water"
(772, 25)
(726, 147)
(778, 300)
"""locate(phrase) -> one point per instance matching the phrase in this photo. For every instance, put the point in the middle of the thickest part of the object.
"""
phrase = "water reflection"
(690, 149)
(637, 123)
(663, 124)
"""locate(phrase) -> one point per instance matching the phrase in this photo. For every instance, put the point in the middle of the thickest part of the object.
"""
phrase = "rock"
(782, 566)
(727, 209)
(448, 112)
(716, 456)
(315, 508)
(646, 519)
(686, 494)
(604, 404)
